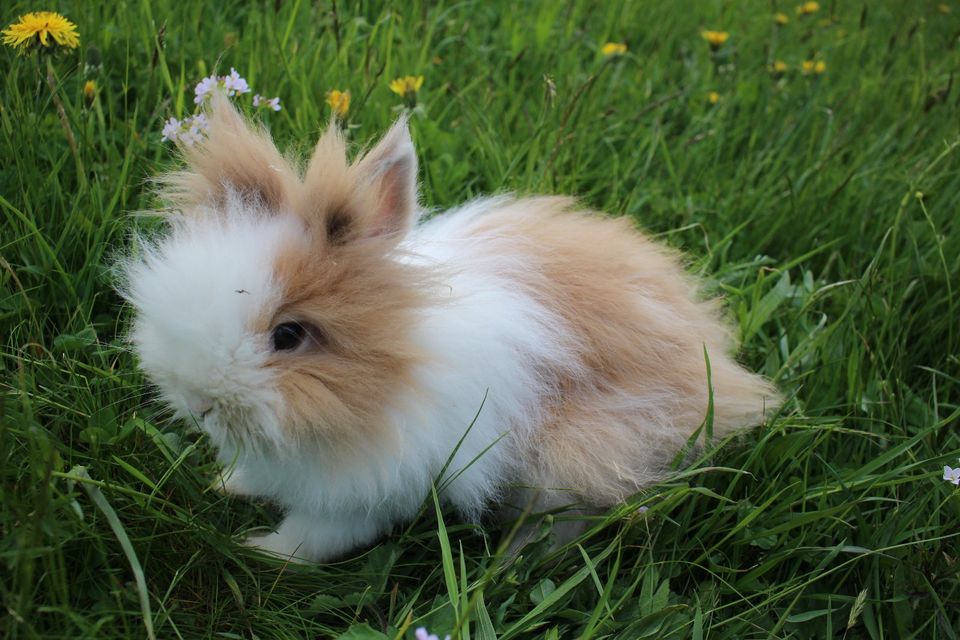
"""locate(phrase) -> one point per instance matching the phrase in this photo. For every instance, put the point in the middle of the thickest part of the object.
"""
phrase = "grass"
(822, 207)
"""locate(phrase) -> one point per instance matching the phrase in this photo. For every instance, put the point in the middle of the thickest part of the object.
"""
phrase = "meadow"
(808, 166)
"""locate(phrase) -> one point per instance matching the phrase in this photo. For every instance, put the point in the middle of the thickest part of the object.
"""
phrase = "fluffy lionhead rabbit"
(338, 353)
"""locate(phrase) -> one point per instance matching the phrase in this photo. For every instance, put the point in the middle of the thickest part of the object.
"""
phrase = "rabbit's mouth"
(236, 426)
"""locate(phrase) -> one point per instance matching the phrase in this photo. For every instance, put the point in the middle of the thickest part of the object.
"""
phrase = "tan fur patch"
(643, 333)
(348, 284)
(364, 303)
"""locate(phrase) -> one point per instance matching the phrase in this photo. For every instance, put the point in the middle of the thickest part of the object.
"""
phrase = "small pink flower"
(951, 475)
(171, 130)
(270, 103)
(203, 89)
(193, 129)
(187, 131)
(421, 634)
(234, 84)
(196, 129)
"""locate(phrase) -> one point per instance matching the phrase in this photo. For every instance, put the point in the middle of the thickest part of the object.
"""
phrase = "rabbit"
(340, 352)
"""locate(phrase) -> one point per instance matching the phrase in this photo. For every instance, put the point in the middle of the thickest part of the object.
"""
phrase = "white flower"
(951, 475)
(234, 84)
(421, 634)
(272, 103)
(203, 89)
(187, 131)
(196, 128)
(200, 120)
(192, 129)
(171, 130)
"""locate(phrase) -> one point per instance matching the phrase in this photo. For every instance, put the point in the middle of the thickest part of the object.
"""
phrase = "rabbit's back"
(636, 327)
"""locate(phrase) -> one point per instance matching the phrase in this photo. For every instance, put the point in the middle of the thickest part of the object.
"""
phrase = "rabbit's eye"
(288, 336)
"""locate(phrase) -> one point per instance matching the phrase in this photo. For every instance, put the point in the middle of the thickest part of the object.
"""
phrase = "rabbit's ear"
(375, 196)
(235, 160)
(387, 179)
(328, 198)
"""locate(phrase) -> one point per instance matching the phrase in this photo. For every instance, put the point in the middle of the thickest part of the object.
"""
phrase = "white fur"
(196, 293)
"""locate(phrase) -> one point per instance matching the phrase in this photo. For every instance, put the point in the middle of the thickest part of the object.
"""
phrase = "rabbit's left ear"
(388, 176)
(235, 158)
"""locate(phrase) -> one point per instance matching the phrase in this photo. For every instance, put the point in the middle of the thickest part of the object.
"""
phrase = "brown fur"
(643, 335)
(363, 302)
(347, 284)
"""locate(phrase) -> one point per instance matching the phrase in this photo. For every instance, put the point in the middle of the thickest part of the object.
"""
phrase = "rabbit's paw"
(278, 545)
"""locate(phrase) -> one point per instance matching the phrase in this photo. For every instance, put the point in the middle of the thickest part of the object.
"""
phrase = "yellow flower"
(715, 38)
(713, 97)
(809, 66)
(779, 67)
(613, 49)
(339, 102)
(406, 85)
(36, 29)
(943, 8)
(89, 90)
(781, 19)
(820, 67)
(807, 8)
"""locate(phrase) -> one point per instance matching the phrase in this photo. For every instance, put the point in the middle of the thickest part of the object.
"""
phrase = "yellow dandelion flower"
(713, 97)
(339, 102)
(943, 8)
(819, 67)
(715, 38)
(811, 66)
(406, 85)
(781, 19)
(89, 90)
(36, 30)
(808, 8)
(779, 67)
(613, 49)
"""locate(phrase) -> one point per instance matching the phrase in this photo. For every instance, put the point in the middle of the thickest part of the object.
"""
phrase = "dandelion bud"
(89, 91)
